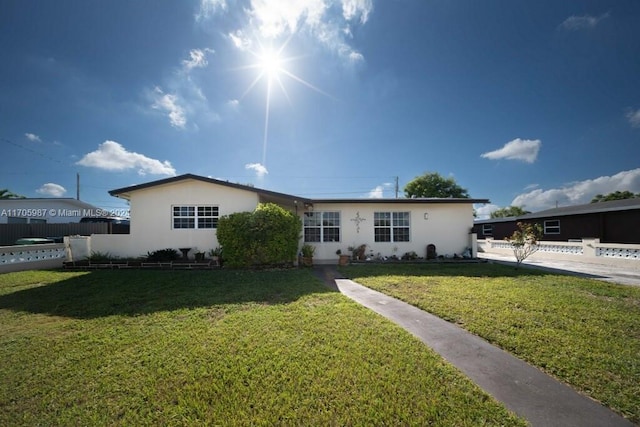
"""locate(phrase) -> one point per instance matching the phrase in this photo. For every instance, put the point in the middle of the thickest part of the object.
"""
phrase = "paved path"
(527, 391)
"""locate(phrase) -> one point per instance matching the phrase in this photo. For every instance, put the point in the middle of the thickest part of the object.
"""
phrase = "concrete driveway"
(621, 275)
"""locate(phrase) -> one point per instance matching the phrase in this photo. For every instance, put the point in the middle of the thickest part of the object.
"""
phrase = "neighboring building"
(183, 211)
(45, 210)
(616, 221)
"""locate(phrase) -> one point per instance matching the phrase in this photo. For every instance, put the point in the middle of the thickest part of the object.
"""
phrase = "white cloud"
(321, 19)
(240, 40)
(355, 56)
(112, 156)
(580, 192)
(51, 189)
(258, 168)
(518, 149)
(281, 17)
(197, 59)
(584, 22)
(634, 118)
(33, 137)
(378, 192)
(484, 211)
(352, 9)
(168, 103)
(210, 7)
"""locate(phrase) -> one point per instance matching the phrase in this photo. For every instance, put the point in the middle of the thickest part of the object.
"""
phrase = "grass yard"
(584, 332)
(216, 347)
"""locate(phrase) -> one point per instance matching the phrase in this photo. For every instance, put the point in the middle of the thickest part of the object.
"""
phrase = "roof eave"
(125, 192)
(406, 201)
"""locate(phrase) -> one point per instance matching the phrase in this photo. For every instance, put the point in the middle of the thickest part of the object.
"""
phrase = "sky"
(532, 104)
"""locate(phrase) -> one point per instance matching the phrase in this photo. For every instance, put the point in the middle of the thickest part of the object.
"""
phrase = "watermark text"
(62, 212)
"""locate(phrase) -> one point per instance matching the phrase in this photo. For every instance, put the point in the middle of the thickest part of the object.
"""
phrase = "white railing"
(588, 250)
(571, 248)
(31, 257)
(621, 253)
(561, 249)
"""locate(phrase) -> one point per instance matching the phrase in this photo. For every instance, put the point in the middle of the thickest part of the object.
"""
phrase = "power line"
(32, 151)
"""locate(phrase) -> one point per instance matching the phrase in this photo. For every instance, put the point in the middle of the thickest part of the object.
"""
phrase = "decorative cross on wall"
(358, 220)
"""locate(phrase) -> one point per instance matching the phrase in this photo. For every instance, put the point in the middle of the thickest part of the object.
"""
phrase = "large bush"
(265, 237)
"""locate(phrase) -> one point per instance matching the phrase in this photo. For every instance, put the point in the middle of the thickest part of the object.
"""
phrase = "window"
(195, 216)
(207, 216)
(321, 226)
(391, 226)
(487, 229)
(552, 226)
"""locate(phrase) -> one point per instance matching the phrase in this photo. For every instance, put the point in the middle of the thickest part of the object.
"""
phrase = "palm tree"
(6, 194)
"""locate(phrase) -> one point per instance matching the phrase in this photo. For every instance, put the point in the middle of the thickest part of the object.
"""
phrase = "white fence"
(587, 250)
(31, 257)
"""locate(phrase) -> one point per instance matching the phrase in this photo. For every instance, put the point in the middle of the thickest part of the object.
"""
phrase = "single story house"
(45, 210)
(616, 221)
(183, 211)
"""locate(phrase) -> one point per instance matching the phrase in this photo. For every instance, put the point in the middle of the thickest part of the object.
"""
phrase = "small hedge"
(267, 236)
(162, 255)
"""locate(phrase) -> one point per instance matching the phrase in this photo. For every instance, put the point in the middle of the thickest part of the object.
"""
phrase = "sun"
(270, 63)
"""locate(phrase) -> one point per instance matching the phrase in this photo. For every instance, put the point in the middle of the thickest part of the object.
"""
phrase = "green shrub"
(265, 237)
(163, 255)
(410, 256)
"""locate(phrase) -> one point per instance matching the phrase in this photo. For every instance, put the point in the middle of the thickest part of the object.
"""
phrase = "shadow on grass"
(480, 269)
(136, 292)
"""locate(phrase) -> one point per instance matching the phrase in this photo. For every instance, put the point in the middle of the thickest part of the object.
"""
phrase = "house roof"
(421, 200)
(125, 193)
(589, 208)
(68, 200)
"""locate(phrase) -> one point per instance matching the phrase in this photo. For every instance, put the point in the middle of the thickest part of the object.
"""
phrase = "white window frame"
(392, 222)
(321, 222)
(487, 229)
(552, 229)
(205, 217)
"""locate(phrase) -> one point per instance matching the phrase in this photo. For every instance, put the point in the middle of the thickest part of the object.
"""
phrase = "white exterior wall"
(152, 224)
(446, 225)
(53, 211)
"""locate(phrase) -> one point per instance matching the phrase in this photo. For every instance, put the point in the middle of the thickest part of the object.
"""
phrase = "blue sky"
(524, 103)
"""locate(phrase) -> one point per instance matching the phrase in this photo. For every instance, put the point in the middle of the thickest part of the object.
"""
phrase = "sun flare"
(270, 63)
(272, 67)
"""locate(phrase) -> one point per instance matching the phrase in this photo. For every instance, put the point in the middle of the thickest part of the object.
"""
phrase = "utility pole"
(77, 186)
(397, 187)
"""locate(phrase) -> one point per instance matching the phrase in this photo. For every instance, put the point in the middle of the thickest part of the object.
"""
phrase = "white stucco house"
(183, 211)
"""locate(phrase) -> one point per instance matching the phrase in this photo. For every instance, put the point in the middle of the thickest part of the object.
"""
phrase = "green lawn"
(584, 332)
(215, 347)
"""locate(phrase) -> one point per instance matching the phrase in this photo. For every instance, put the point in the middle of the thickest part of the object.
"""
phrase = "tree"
(507, 212)
(525, 240)
(432, 184)
(616, 195)
(6, 194)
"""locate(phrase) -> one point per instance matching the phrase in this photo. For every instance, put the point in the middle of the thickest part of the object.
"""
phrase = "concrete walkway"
(527, 391)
